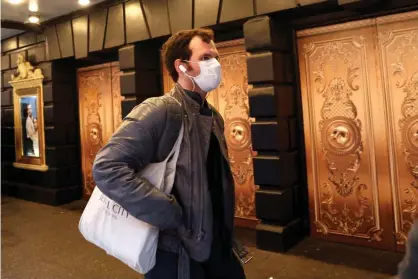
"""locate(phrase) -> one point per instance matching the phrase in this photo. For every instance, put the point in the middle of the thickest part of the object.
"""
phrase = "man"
(196, 221)
(30, 129)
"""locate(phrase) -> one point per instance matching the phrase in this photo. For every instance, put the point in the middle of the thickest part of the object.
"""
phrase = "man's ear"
(177, 64)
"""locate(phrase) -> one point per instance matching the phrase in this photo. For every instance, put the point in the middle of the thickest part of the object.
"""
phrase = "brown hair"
(177, 47)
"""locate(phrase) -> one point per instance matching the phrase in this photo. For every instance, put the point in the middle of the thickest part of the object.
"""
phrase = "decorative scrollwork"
(384, 37)
(319, 78)
(345, 207)
(308, 48)
(359, 40)
(94, 141)
(232, 96)
(348, 222)
(352, 76)
(409, 126)
(400, 71)
(375, 234)
(400, 238)
(341, 136)
(411, 202)
(321, 227)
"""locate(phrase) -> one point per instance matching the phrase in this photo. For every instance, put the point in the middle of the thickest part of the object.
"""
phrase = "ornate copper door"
(231, 100)
(398, 47)
(100, 114)
(360, 143)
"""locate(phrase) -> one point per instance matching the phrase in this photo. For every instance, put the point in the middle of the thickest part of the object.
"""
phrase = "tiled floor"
(43, 242)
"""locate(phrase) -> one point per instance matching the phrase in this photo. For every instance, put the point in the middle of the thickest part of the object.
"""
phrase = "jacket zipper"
(201, 232)
(190, 219)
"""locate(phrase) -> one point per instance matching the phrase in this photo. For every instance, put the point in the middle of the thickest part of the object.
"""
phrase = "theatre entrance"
(100, 113)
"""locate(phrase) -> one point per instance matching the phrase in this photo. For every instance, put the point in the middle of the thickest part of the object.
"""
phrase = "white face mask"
(210, 75)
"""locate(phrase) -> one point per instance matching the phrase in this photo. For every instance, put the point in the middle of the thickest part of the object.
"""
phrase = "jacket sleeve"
(130, 149)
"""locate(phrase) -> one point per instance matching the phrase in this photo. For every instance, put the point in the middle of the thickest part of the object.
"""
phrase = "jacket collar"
(189, 105)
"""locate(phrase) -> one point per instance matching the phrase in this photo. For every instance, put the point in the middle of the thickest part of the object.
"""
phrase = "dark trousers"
(217, 267)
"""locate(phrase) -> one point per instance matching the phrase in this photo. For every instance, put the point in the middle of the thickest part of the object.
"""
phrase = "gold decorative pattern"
(336, 28)
(398, 45)
(397, 17)
(367, 138)
(117, 97)
(339, 131)
(341, 138)
(340, 127)
(232, 43)
(27, 83)
(100, 114)
(94, 140)
(232, 101)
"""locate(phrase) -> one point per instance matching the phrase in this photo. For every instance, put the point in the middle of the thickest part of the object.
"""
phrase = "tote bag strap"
(174, 153)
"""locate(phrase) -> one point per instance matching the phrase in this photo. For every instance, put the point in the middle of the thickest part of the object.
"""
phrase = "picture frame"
(28, 117)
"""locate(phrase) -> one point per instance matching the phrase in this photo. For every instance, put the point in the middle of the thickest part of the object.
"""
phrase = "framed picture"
(28, 117)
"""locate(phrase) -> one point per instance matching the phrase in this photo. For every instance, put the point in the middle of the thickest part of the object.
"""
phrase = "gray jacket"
(147, 135)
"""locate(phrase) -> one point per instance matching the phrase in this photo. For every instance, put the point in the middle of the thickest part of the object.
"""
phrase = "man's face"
(201, 51)
(30, 110)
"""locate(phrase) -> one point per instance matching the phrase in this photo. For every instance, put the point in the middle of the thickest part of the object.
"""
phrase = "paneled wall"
(137, 20)
(61, 183)
(141, 73)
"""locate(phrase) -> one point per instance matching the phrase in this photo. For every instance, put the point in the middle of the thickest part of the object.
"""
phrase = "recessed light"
(83, 2)
(15, 2)
(34, 19)
(33, 5)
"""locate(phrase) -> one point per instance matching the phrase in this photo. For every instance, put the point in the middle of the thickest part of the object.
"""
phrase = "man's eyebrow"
(210, 52)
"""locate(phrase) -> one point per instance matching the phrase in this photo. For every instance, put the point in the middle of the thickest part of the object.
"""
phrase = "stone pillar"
(274, 133)
(141, 77)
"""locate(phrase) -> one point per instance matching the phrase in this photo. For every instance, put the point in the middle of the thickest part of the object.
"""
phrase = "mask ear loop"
(194, 85)
(184, 72)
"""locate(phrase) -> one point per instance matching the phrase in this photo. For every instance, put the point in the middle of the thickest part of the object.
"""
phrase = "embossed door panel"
(345, 135)
(116, 96)
(398, 47)
(100, 114)
(231, 100)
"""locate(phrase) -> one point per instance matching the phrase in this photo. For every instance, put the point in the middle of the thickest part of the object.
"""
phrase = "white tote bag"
(107, 225)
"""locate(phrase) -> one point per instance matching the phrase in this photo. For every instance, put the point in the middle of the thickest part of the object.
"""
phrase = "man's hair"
(177, 47)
